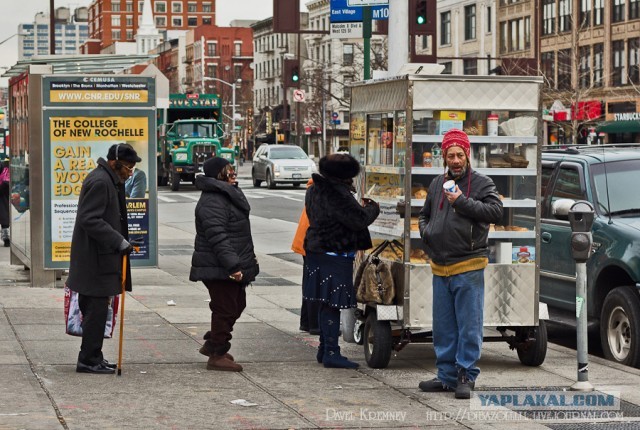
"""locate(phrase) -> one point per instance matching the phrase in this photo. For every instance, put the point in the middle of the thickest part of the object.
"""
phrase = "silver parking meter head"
(581, 216)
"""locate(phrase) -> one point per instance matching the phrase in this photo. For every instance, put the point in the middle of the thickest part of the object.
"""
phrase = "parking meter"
(581, 219)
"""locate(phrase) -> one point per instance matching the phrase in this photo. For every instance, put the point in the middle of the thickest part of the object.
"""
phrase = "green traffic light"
(421, 20)
(295, 78)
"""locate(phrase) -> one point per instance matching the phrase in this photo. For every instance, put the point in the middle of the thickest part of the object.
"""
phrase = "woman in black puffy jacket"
(338, 227)
(223, 257)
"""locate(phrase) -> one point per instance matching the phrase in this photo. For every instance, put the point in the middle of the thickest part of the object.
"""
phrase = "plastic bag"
(73, 316)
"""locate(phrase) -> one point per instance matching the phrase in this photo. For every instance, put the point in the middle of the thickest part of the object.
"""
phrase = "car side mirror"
(560, 208)
(262, 157)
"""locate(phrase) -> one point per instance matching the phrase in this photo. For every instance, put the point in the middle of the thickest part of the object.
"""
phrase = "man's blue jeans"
(458, 303)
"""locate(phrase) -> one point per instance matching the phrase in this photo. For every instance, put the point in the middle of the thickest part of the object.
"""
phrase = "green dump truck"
(190, 132)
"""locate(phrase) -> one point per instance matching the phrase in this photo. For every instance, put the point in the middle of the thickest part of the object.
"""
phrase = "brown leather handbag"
(374, 282)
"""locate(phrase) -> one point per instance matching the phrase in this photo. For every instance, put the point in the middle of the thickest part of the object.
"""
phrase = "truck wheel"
(174, 180)
(377, 341)
(620, 326)
(534, 352)
(256, 182)
(270, 182)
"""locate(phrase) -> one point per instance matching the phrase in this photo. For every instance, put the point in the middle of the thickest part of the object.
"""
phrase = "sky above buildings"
(14, 12)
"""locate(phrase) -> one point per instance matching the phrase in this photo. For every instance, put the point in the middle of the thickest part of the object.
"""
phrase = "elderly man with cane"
(100, 240)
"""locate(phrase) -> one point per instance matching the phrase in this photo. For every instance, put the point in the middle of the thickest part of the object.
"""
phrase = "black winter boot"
(330, 328)
(463, 390)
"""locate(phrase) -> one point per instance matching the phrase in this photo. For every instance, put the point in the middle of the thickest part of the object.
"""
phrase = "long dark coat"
(101, 225)
(337, 222)
(223, 242)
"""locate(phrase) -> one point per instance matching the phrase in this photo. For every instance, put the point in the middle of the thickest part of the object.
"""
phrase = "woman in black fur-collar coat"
(337, 229)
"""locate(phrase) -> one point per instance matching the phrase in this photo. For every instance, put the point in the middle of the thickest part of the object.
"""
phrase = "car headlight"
(314, 168)
(227, 156)
(276, 168)
(181, 156)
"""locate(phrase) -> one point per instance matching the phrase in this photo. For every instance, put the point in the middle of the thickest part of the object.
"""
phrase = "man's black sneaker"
(97, 368)
(434, 386)
(105, 363)
(464, 387)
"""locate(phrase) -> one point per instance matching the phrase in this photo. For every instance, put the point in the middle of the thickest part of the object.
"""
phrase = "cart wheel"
(377, 342)
(358, 332)
(533, 353)
(347, 321)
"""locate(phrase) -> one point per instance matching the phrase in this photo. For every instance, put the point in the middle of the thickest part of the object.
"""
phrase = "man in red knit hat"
(454, 226)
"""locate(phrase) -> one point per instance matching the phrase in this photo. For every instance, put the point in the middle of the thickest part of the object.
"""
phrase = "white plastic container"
(492, 125)
(449, 186)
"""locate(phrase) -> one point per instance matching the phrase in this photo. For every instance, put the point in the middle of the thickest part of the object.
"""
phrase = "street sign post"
(342, 12)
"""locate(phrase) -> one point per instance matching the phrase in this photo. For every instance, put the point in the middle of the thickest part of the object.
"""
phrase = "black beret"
(213, 166)
(123, 152)
(341, 166)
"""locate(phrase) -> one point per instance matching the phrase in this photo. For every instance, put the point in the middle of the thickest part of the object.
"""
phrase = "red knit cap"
(455, 137)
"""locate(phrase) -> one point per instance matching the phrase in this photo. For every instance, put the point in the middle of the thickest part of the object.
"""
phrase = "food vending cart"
(396, 128)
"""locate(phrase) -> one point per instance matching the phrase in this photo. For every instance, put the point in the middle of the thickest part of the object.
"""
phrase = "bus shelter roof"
(91, 63)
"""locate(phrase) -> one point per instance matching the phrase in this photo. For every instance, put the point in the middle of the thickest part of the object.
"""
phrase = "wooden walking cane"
(124, 284)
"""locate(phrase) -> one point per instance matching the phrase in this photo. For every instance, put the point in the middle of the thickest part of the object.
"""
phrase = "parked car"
(607, 176)
(281, 164)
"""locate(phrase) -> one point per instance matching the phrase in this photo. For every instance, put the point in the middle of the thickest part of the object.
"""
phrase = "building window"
(598, 12)
(161, 21)
(634, 9)
(347, 54)
(445, 28)
(618, 11)
(585, 13)
(470, 22)
(115, 20)
(346, 89)
(634, 61)
(176, 7)
(549, 17)
(565, 15)
(598, 65)
(527, 32)
(212, 49)
(346, 117)
(160, 7)
(176, 21)
(129, 20)
(618, 75)
(141, 6)
(548, 60)
(237, 71)
(206, 7)
(564, 69)
(192, 7)
(584, 69)
(237, 49)
(115, 34)
(128, 6)
(489, 19)
(206, 20)
(129, 34)
(470, 66)
(212, 70)
(504, 37)
(192, 21)
(115, 7)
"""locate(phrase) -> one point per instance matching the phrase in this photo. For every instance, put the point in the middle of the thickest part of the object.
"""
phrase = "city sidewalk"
(165, 385)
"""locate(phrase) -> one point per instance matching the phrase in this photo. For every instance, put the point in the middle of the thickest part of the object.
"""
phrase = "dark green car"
(609, 177)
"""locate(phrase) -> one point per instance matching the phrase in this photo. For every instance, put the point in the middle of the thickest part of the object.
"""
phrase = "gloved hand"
(125, 248)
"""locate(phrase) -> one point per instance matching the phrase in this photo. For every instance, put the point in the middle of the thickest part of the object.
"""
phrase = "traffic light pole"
(298, 119)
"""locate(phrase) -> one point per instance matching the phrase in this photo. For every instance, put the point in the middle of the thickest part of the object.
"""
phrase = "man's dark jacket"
(223, 243)
(459, 232)
(101, 225)
(337, 222)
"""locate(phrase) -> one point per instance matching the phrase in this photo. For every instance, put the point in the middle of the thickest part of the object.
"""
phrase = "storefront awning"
(619, 127)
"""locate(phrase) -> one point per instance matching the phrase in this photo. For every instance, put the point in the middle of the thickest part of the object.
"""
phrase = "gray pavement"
(165, 385)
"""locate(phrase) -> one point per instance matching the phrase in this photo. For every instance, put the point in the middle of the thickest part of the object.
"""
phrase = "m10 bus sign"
(361, 3)
(343, 12)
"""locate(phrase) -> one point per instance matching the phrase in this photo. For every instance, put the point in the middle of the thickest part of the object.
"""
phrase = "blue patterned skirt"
(329, 279)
